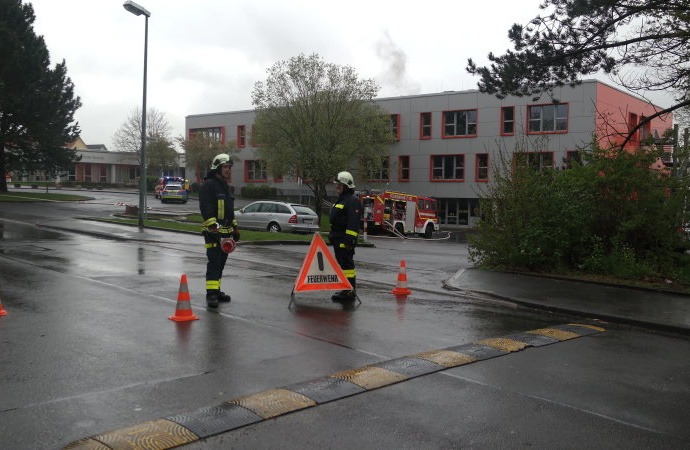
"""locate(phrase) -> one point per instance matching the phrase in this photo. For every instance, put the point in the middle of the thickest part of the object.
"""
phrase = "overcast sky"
(205, 55)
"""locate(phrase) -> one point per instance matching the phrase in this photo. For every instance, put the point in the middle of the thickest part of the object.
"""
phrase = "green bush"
(611, 215)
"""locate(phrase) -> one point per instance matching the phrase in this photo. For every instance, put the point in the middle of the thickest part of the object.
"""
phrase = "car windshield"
(303, 210)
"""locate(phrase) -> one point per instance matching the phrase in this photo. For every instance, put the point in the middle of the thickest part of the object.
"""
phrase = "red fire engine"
(399, 213)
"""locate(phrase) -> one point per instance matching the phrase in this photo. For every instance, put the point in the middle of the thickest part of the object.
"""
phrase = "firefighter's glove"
(236, 234)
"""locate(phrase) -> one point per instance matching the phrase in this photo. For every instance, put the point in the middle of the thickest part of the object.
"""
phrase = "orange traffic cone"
(183, 313)
(2, 311)
(401, 288)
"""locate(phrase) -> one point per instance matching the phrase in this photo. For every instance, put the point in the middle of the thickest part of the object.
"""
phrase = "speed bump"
(182, 429)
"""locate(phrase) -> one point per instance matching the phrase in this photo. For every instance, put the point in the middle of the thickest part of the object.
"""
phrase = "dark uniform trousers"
(345, 217)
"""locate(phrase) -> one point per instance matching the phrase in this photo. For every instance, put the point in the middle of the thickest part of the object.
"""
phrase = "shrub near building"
(612, 215)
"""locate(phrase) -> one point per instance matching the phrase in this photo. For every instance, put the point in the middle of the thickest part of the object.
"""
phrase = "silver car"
(275, 216)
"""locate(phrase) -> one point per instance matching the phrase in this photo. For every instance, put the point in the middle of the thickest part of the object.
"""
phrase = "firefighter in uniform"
(345, 220)
(217, 210)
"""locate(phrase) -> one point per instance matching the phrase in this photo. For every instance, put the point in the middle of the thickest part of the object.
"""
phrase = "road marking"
(182, 429)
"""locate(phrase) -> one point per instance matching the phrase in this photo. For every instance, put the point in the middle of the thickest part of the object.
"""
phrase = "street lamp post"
(138, 10)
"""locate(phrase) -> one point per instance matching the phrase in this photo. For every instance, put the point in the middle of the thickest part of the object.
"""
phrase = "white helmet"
(221, 159)
(346, 179)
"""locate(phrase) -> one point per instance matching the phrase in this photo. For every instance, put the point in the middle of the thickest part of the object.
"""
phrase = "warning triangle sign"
(320, 271)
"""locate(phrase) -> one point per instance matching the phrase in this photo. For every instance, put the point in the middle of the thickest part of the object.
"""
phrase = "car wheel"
(428, 231)
(273, 227)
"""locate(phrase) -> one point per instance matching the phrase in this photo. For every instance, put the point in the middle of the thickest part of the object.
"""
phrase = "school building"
(446, 142)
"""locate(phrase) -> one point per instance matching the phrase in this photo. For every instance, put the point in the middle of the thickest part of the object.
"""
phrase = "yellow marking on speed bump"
(556, 334)
(87, 444)
(509, 345)
(370, 377)
(273, 402)
(164, 434)
(445, 358)
(155, 435)
(587, 326)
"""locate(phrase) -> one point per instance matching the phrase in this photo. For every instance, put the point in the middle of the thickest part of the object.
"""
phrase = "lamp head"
(135, 9)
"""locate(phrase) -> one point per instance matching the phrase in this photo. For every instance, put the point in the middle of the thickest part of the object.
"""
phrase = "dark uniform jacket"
(216, 203)
(345, 219)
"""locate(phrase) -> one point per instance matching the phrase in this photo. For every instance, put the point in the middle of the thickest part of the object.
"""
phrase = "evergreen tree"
(583, 37)
(37, 103)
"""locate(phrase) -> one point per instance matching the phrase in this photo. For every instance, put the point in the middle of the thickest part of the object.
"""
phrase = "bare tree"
(128, 137)
(200, 150)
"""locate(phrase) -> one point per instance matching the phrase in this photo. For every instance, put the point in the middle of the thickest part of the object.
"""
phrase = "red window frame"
(241, 136)
(221, 130)
(423, 126)
(445, 180)
(402, 167)
(477, 167)
(247, 163)
(395, 122)
(460, 136)
(556, 130)
(387, 168)
(503, 121)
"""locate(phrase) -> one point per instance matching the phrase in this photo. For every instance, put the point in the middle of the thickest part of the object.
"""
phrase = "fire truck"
(398, 213)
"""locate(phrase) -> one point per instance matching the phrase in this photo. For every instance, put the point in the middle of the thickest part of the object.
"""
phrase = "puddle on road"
(14, 231)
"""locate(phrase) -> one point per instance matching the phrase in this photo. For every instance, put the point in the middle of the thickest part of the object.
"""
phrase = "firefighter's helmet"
(346, 179)
(219, 160)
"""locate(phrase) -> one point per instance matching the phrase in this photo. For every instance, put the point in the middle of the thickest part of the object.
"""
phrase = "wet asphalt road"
(86, 348)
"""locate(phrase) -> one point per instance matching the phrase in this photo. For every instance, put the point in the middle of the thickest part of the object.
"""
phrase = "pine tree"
(37, 103)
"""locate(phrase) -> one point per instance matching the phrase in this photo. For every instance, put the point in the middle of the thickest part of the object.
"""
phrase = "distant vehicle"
(399, 213)
(163, 181)
(174, 193)
(276, 216)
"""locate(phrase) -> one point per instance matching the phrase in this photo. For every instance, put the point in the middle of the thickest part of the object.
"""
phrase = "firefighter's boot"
(339, 296)
(223, 297)
(346, 296)
(212, 299)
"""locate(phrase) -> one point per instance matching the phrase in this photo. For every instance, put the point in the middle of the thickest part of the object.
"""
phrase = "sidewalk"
(646, 308)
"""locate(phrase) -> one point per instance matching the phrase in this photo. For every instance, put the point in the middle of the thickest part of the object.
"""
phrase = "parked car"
(277, 216)
(174, 193)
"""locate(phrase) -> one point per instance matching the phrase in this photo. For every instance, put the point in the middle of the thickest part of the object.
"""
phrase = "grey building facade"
(448, 144)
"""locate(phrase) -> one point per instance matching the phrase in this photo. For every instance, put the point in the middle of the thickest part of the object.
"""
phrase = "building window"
(403, 168)
(241, 136)
(459, 123)
(447, 167)
(572, 156)
(482, 167)
(533, 160)
(425, 125)
(645, 130)
(395, 123)
(215, 133)
(379, 173)
(548, 118)
(255, 171)
(507, 120)
(256, 137)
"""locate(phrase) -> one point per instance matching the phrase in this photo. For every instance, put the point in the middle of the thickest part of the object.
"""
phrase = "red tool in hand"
(228, 245)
